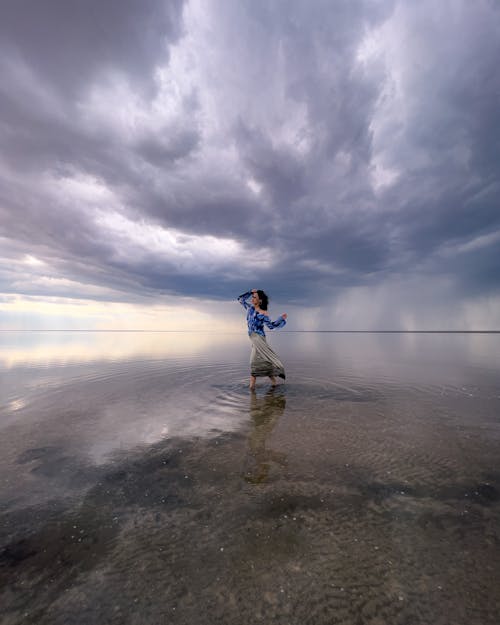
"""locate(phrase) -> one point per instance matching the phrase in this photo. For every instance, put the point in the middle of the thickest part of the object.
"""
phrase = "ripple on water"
(332, 498)
(136, 403)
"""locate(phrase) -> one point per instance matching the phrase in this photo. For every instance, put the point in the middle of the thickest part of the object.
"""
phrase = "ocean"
(142, 482)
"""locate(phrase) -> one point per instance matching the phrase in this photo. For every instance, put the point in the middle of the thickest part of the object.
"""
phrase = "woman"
(263, 361)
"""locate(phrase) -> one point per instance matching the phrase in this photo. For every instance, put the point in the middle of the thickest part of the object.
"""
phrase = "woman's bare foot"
(252, 383)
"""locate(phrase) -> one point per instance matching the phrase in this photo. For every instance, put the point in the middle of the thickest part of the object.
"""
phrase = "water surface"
(141, 481)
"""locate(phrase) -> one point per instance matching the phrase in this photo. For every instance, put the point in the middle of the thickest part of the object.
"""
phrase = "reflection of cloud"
(265, 413)
(69, 347)
(16, 404)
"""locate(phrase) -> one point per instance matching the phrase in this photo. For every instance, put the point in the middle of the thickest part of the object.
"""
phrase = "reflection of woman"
(265, 413)
(263, 361)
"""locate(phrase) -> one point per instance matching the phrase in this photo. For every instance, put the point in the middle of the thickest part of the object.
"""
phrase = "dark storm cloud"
(52, 54)
(70, 43)
(273, 128)
(279, 172)
(449, 188)
(160, 152)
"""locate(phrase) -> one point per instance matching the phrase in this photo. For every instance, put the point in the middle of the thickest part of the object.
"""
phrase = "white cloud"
(202, 254)
(254, 186)
(32, 261)
(450, 250)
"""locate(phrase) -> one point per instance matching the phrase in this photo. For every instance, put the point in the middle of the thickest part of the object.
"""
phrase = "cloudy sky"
(160, 157)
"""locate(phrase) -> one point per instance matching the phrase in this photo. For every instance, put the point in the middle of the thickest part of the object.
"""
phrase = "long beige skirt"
(263, 360)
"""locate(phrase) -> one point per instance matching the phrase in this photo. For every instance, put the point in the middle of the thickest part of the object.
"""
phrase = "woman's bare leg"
(273, 380)
(252, 382)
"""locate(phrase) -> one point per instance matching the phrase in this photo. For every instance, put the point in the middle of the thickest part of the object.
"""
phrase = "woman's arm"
(243, 299)
(279, 323)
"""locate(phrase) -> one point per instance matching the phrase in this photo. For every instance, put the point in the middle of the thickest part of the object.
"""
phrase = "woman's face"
(255, 299)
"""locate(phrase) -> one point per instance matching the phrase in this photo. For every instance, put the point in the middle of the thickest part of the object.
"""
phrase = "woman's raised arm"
(243, 299)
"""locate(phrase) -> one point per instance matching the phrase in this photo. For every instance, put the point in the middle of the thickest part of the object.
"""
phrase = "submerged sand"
(299, 522)
(332, 499)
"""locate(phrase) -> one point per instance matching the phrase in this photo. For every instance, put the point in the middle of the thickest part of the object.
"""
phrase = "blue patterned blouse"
(256, 320)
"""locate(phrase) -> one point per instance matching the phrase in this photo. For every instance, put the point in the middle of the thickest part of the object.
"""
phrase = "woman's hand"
(284, 315)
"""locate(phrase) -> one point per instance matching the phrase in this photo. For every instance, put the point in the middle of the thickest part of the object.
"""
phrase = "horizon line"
(282, 331)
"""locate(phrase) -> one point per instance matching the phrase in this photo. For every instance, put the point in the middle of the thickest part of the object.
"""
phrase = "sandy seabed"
(341, 516)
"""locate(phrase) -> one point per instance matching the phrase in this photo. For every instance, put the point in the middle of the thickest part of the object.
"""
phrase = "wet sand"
(356, 501)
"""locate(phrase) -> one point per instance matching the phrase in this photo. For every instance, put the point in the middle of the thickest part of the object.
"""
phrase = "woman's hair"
(264, 300)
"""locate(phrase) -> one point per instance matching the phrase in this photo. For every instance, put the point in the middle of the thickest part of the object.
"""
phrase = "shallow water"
(141, 482)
